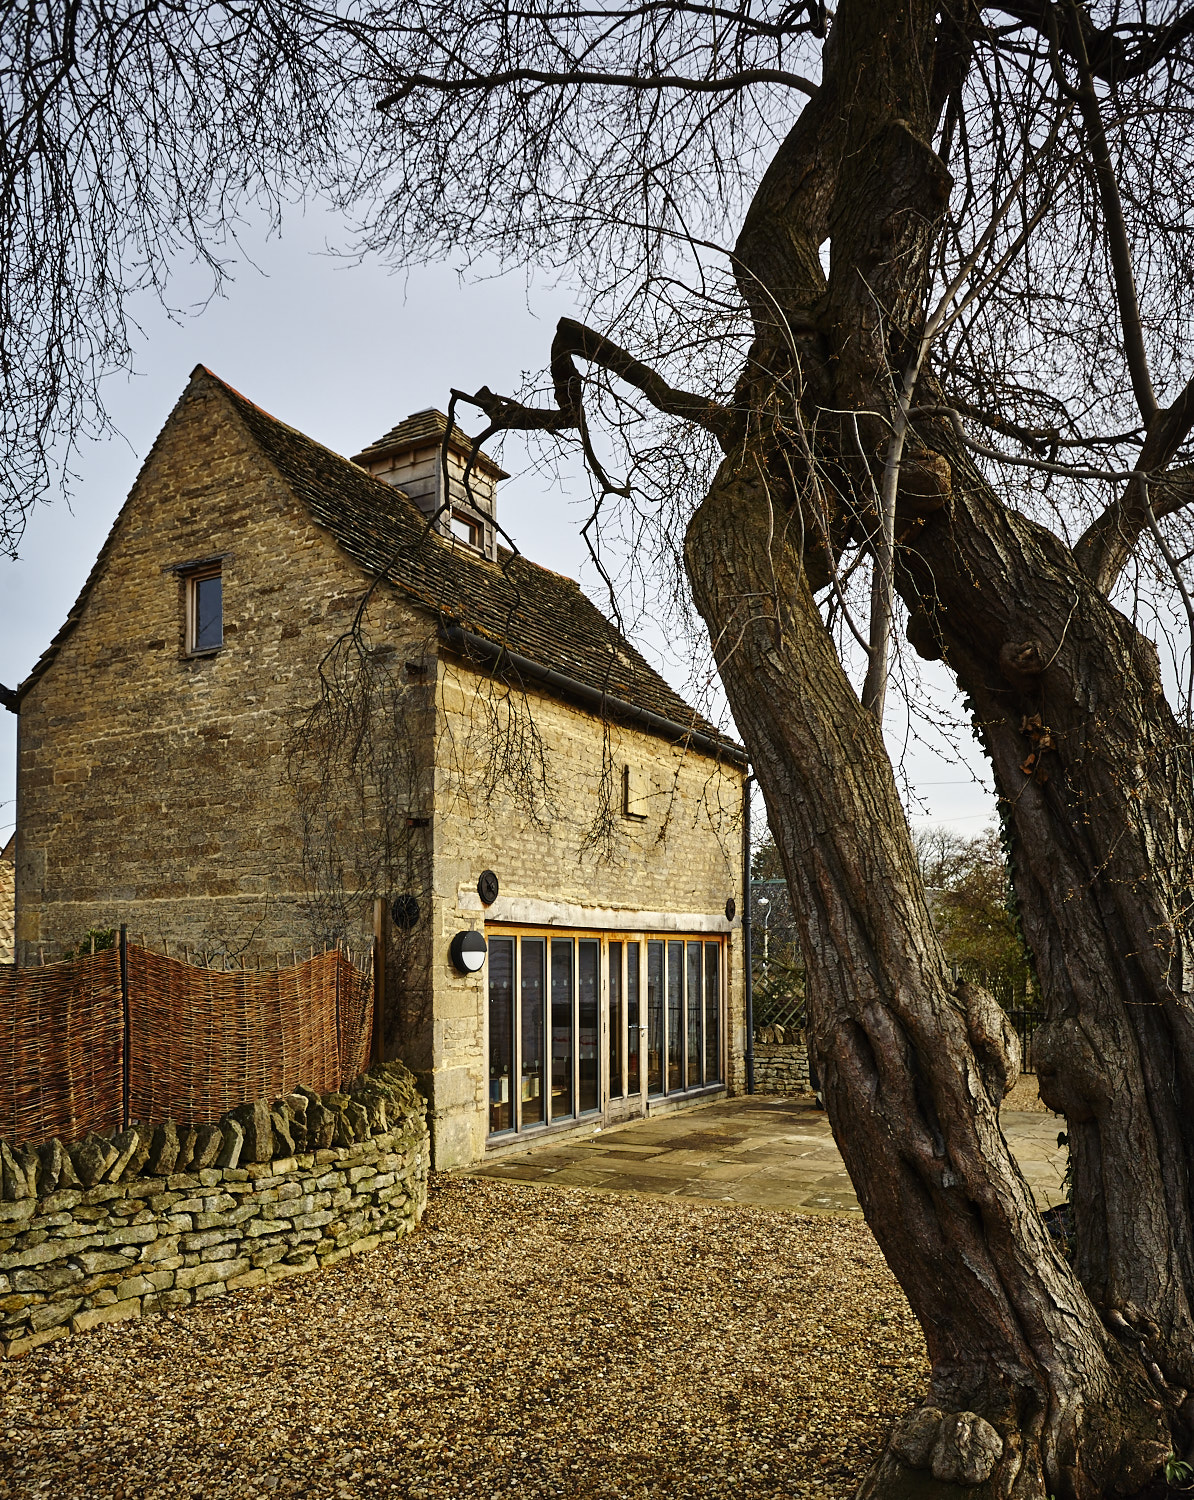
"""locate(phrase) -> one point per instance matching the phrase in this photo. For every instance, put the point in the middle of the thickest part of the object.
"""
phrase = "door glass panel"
(655, 1018)
(694, 1015)
(615, 1020)
(501, 1033)
(561, 1027)
(633, 1078)
(712, 1012)
(588, 1040)
(675, 1017)
(532, 1030)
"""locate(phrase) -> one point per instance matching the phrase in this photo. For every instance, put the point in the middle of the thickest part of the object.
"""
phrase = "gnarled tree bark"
(1047, 1379)
(1093, 774)
(1030, 1395)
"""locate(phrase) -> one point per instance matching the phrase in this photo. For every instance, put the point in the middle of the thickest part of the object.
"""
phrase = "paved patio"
(768, 1152)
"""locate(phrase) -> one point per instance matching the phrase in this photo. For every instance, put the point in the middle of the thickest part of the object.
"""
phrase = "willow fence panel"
(199, 1040)
(61, 1049)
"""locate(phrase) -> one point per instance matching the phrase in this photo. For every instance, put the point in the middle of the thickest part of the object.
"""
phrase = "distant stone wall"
(781, 1069)
(136, 1242)
(8, 893)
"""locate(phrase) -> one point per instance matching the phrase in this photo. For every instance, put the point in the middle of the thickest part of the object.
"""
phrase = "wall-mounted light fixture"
(467, 952)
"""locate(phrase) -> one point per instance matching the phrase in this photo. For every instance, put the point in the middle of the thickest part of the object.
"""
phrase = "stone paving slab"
(769, 1152)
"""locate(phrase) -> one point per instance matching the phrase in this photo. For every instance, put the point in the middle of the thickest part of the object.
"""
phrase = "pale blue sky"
(342, 352)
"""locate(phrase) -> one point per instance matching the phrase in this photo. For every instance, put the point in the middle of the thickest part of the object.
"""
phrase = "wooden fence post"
(126, 1065)
(377, 1049)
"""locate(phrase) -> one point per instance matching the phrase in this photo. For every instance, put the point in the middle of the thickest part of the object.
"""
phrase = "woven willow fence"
(129, 1034)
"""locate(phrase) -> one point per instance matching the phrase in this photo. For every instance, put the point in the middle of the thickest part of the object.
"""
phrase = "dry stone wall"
(106, 1230)
(781, 1069)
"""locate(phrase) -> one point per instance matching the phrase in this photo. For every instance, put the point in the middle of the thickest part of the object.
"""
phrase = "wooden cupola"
(411, 458)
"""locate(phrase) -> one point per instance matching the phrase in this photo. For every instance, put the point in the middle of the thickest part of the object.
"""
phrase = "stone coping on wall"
(79, 1256)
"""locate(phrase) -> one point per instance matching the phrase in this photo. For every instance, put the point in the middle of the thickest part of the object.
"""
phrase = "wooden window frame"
(191, 582)
(605, 1096)
(475, 527)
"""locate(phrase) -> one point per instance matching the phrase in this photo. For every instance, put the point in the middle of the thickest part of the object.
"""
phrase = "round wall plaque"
(731, 909)
(487, 887)
(405, 912)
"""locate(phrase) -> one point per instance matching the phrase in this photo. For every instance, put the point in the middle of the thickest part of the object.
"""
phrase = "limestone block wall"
(8, 886)
(547, 815)
(110, 1230)
(153, 786)
(781, 1069)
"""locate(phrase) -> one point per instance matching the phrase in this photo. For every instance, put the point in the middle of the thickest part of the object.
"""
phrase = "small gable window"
(205, 610)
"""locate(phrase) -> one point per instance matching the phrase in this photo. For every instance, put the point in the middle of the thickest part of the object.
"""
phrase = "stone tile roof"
(514, 603)
(422, 429)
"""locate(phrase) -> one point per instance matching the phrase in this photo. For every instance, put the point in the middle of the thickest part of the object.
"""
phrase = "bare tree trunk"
(1029, 1395)
(1094, 780)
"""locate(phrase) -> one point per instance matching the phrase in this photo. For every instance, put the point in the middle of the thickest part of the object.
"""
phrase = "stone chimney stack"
(411, 458)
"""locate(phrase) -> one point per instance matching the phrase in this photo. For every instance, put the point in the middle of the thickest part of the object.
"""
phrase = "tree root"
(939, 1455)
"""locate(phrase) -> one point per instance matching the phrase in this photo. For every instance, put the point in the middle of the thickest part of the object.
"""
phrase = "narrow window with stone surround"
(205, 610)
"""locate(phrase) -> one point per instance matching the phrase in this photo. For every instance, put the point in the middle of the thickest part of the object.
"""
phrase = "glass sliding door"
(633, 1076)
(695, 1058)
(561, 1028)
(675, 1017)
(617, 1020)
(532, 997)
(655, 1018)
(712, 1012)
(501, 1034)
(547, 998)
(588, 1016)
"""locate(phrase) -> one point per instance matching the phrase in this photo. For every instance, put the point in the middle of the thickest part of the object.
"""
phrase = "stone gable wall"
(154, 792)
(145, 1238)
(152, 785)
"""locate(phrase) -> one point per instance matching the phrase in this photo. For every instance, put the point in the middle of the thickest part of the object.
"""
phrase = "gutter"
(469, 644)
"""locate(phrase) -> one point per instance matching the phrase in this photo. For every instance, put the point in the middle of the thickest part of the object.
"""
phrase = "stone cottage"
(298, 690)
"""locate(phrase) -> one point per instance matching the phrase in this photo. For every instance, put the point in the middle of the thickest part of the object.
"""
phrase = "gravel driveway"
(529, 1340)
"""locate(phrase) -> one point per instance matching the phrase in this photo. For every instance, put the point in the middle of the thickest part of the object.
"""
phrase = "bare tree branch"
(1118, 245)
(731, 83)
(1105, 547)
(573, 340)
(1112, 57)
